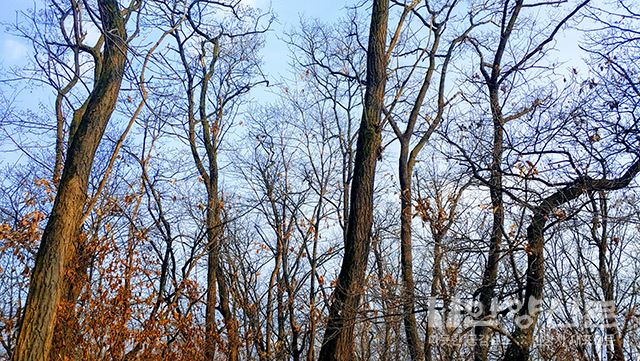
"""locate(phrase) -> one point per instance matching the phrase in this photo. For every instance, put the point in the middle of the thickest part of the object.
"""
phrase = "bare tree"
(338, 339)
(45, 291)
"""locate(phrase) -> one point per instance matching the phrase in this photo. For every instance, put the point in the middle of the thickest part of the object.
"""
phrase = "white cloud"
(93, 33)
(13, 51)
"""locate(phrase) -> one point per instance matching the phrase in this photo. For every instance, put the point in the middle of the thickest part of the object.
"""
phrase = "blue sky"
(289, 12)
(14, 51)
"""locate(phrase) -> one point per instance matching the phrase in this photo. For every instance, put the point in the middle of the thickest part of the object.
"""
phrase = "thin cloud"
(13, 51)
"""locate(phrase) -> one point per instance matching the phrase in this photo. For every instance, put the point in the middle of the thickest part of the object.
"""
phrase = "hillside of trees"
(432, 180)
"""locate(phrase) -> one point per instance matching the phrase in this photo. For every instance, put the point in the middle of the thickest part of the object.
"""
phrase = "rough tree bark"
(64, 335)
(338, 337)
(56, 247)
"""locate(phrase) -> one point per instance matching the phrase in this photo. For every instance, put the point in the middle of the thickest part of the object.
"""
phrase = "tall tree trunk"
(313, 319)
(216, 284)
(437, 282)
(212, 270)
(615, 352)
(338, 337)
(56, 247)
(528, 315)
(210, 176)
(230, 322)
(405, 170)
(386, 297)
(490, 275)
(65, 335)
